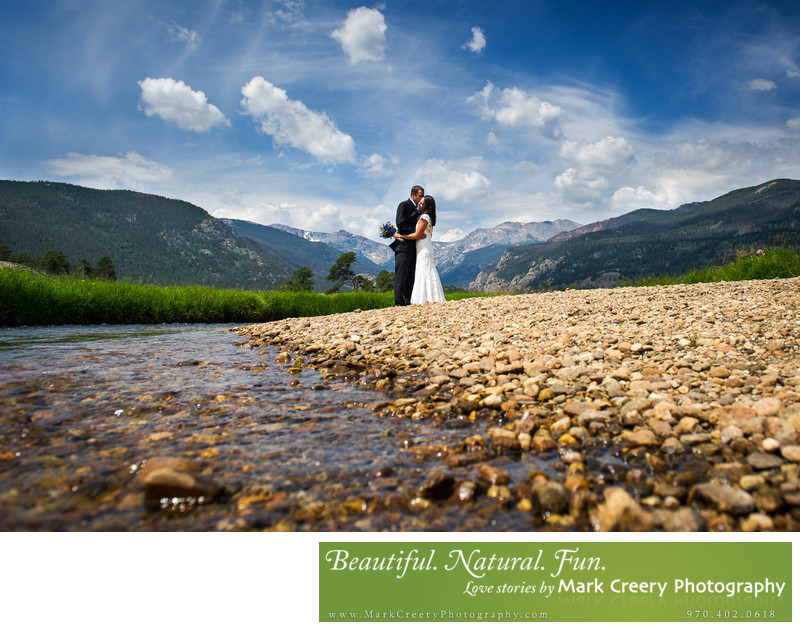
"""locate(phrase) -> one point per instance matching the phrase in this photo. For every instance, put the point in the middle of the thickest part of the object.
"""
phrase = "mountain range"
(649, 242)
(299, 250)
(156, 240)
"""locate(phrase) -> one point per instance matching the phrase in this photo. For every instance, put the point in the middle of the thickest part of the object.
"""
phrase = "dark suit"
(405, 253)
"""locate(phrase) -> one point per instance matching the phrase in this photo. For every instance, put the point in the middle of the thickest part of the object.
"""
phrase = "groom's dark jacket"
(406, 222)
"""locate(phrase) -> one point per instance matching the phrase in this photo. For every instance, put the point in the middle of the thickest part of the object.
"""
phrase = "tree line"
(56, 263)
(341, 274)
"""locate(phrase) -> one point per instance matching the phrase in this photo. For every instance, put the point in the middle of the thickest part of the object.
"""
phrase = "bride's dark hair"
(430, 209)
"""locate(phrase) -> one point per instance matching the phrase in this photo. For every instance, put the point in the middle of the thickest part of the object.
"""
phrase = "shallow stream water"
(83, 410)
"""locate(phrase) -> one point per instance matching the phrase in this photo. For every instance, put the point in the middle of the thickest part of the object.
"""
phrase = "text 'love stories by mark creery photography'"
(514, 581)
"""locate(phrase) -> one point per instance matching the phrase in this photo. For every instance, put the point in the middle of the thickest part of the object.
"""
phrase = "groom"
(405, 252)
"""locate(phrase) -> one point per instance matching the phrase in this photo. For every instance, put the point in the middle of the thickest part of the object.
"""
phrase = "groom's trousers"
(405, 263)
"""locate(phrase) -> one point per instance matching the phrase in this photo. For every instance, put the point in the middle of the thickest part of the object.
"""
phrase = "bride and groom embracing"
(416, 280)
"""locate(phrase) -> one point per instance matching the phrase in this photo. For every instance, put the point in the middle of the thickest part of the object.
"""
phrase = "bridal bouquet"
(387, 230)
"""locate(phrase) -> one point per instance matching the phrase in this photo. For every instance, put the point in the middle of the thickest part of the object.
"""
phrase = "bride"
(427, 286)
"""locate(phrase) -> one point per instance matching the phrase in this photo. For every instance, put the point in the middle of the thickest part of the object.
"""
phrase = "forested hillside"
(651, 242)
(300, 252)
(151, 239)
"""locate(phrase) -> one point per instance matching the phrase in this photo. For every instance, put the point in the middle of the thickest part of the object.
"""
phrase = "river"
(85, 410)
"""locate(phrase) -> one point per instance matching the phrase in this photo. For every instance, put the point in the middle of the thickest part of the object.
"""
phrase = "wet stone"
(621, 513)
(168, 488)
(494, 476)
(438, 488)
(551, 497)
(761, 461)
(722, 498)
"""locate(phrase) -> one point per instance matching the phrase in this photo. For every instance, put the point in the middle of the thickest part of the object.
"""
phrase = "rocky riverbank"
(629, 409)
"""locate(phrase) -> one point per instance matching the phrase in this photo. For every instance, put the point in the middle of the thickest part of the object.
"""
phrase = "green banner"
(559, 582)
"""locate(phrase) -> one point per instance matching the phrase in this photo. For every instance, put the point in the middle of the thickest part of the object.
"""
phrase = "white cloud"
(761, 85)
(606, 156)
(706, 155)
(176, 102)
(578, 188)
(129, 171)
(513, 107)
(375, 166)
(363, 35)
(702, 166)
(314, 215)
(453, 182)
(478, 41)
(452, 235)
(628, 198)
(793, 123)
(586, 181)
(292, 123)
(185, 36)
(289, 12)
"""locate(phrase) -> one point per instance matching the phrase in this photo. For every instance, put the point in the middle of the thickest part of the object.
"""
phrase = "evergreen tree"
(365, 284)
(105, 269)
(301, 280)
(85, 269)
(340, 271)
(5, 252)
(23, 259)
(385, 281)
(53, 262)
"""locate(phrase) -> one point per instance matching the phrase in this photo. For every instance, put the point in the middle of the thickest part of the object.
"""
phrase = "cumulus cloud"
(292, 123)
(176, 102)
(185, 36)
(375, 166)
(513, 107)
(793, 123)
(702, 154)
(608, 155)
(578, 188)
(129, 170)
(628, 198)
(363, 35)
(761, 85)
(452, 235)
(478, 41)
(453, 182)
(683, 170)
(314, 215)
(586, 181)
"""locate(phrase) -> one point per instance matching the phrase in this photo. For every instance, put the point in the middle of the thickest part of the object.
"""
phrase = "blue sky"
(322, 115)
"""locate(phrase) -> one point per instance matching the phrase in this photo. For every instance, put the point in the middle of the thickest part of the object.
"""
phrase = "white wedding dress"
(427, 286)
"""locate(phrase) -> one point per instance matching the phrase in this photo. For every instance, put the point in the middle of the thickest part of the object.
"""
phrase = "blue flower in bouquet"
(387, 230)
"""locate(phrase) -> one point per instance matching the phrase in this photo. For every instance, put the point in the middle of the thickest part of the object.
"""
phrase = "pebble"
(621, 513)
(791, 452)
(722, 498)
(551, 497)
(684, 377)
(174, 485)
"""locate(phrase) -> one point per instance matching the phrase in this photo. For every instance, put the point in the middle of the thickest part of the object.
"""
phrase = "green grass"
(762, 265)
(29, 299)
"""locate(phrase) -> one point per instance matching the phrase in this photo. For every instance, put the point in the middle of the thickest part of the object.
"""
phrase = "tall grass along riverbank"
(28, 299)
(765, 264)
